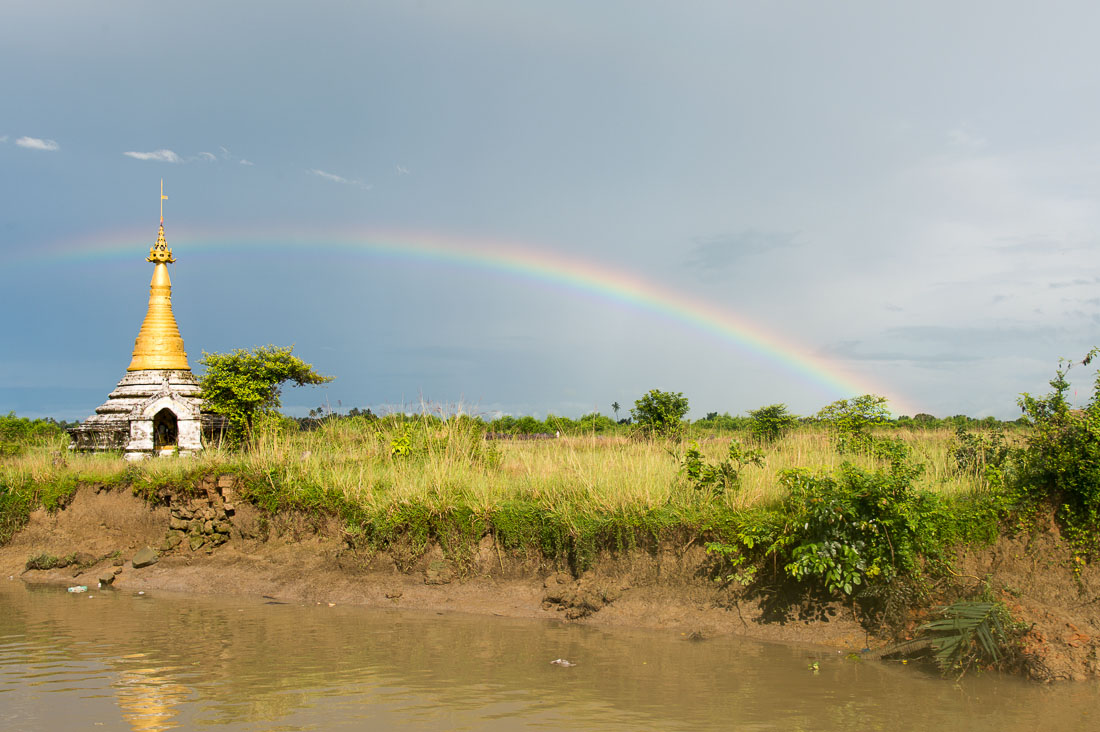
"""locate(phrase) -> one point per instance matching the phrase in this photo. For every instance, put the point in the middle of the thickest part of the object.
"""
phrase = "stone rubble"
(202, 521)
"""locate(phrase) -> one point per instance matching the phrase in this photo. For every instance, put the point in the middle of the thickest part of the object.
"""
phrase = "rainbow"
(570, 273)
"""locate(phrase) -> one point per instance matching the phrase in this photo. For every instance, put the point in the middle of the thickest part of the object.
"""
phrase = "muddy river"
(106, 660)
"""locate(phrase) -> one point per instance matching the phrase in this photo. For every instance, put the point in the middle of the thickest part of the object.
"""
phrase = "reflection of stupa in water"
(149, 698)
(155, 409)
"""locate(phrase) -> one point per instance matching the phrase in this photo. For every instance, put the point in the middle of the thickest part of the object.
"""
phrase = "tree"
(595, 422)
(659, 413)
(244, 384)
(857, 413)
(852, 417)
(615, 408)
(769, 423)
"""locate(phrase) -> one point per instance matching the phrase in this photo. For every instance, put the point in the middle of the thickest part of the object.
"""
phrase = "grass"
(424, 478)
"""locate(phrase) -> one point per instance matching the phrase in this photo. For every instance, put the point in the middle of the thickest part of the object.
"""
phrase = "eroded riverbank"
(228, 547)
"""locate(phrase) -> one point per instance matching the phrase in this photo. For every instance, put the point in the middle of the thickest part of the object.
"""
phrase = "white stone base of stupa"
(142, 403)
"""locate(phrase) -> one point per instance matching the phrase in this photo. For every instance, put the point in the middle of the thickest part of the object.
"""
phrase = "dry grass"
(450, 465)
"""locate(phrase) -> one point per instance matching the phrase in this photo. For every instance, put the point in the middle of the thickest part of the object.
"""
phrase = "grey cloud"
(931, 346)
(721, 251)
(976, 335)
(1077, 282)
(853, 350)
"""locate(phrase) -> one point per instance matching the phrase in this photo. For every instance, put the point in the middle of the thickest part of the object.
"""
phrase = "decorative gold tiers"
(159, 345)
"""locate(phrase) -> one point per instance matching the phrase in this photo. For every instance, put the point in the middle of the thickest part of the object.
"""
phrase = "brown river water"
(107, 660)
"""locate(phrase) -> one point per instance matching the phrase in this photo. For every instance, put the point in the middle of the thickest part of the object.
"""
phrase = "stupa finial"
(159, 252)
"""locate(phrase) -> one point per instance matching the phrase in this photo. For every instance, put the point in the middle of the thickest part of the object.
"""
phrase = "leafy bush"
(848, 530)
(768, 424)
(859, 525)
(595, 422)
(856, 414)
(889, 449)
(721, 476)
(1061, 462)
(851, 418)
(985, 455)
(660, 413)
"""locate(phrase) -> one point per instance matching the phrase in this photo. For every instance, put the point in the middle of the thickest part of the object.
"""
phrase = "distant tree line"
(17, 433)
(659, 413)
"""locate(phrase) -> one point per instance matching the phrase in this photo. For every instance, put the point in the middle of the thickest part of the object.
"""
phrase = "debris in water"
(78, 588)
(562, 662)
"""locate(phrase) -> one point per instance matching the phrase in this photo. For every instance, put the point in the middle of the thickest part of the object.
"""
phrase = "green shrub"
(722, 476)
(859, 526)
(851, 418)
(660, 413)
(769, 423)
(1061, 462)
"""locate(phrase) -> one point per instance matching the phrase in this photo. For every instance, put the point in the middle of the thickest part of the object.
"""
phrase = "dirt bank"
(211, 544)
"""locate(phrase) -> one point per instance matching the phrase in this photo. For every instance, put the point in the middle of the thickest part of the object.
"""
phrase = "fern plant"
(969, 633)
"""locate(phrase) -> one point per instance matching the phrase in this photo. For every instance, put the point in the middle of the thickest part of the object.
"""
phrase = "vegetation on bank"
(848, 504)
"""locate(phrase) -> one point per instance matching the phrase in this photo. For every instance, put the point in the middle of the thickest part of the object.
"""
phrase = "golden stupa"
(156, 408)
(159, 345)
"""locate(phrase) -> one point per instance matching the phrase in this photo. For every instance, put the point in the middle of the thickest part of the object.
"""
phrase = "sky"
(551, 207)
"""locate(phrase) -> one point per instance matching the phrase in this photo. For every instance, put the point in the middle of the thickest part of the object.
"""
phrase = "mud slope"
(214, 545)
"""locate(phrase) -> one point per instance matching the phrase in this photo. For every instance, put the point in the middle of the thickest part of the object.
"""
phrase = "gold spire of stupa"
(159, 345)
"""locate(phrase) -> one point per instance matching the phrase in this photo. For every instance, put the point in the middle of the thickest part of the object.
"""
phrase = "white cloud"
(338, 178)
(157, 156)
(35, 143)
(328, 176)
(246, 162)
(3, 138)
(209, 157)
(401, 170)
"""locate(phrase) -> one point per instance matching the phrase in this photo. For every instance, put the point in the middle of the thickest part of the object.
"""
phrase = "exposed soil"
(296, 558)
(1053, 594)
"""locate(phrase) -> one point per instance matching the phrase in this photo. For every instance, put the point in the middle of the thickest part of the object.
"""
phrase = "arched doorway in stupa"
(165, 430)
